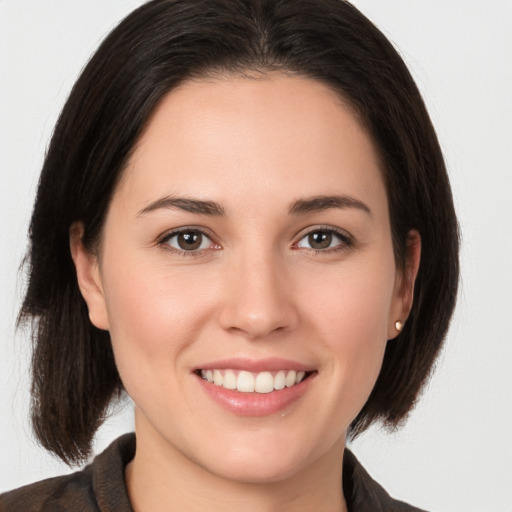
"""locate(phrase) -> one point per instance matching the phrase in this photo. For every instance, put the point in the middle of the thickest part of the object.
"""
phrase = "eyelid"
(345, 236)
(166, 236)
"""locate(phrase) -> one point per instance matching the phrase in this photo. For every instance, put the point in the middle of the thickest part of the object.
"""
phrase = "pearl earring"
(399, 325)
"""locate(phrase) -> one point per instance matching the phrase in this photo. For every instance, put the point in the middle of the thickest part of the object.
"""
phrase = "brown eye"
(192, 240)
(189, 241)
(324, 240)
(320, 239)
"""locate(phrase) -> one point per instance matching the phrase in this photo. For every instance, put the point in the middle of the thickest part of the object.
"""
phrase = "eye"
(188, 241)
(324, 239)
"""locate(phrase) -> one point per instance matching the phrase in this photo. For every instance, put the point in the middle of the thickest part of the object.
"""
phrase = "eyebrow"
(186, 205)
(212, 208)
(321, 203)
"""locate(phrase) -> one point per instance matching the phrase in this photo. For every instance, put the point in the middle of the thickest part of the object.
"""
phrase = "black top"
(101, 487)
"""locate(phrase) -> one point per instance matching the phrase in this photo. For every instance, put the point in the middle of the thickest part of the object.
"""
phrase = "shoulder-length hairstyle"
(157, 47)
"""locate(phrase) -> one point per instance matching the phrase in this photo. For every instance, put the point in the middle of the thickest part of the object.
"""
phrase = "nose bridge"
(257, 298)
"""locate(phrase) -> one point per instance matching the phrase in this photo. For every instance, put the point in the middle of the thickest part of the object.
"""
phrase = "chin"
(257, 469)
(264, 458)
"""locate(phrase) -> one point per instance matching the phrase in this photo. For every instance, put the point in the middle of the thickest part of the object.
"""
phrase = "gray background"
(455, 453)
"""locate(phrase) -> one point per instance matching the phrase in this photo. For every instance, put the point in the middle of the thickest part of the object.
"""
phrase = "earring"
(399, 325)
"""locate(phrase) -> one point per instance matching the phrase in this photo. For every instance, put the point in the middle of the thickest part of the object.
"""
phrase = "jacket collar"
(362, 493)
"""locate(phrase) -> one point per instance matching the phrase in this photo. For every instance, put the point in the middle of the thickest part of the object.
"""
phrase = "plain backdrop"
(455, 453)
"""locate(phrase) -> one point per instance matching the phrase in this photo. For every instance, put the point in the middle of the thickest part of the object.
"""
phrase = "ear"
(403, 293)
(88, 276)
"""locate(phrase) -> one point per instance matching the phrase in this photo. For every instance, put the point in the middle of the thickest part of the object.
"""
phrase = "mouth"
(255, 387)
(245, 381)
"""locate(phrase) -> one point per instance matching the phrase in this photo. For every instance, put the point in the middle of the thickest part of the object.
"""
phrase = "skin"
(256, 288)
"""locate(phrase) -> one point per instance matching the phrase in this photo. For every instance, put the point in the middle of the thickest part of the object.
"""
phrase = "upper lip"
(271, 364)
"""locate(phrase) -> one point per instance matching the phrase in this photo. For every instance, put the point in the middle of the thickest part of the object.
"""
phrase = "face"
(246, 275)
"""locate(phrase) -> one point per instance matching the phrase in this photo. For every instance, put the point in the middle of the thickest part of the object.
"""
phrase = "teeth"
(248, 382)
(229, 380)
(291, 376)
(280, 380)
(218, 379)
(245, 382)
(264, 383)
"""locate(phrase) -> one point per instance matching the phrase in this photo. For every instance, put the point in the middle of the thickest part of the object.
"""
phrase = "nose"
(258, 298)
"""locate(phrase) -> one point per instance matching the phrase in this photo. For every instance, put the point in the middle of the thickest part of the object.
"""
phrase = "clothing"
(101, 487)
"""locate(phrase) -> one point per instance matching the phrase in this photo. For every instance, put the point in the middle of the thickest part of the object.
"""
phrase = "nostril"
(258, 322)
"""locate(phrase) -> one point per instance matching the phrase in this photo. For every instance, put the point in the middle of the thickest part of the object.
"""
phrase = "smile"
(252, 382)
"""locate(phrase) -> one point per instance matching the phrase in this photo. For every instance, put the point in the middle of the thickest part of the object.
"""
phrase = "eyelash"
(346, 241)
(164, 241)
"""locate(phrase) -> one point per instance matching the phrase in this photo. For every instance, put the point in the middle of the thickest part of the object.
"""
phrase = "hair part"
(152, 51)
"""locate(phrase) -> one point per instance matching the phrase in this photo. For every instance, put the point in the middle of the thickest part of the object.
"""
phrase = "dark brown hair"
(157, 47)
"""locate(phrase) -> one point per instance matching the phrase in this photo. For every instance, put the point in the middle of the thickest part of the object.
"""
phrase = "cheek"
(153, 315)
(349, 309)
(352, 300)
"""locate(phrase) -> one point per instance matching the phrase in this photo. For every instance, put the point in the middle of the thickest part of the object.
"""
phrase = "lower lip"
(255, 404)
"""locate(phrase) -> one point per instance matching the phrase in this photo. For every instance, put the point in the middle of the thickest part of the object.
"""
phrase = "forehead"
(269, 137)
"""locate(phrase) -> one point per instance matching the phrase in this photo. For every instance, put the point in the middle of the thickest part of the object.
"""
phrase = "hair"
(157, 47)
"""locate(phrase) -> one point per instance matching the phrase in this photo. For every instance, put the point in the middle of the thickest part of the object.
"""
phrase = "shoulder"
(364, 494)
(53, 494)
(99, 486)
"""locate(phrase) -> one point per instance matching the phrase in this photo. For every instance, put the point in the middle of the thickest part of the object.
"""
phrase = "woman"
(244, 221)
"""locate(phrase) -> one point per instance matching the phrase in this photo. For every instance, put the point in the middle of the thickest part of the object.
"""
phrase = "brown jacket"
(100, 487)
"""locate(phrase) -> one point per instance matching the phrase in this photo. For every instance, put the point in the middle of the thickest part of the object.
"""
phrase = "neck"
(162, 478)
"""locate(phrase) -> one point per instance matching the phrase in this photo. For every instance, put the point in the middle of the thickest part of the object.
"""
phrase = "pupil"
(189, 240)
(320, 240)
